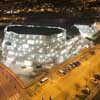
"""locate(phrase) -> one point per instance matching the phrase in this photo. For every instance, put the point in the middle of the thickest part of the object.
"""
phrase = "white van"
(44, 79)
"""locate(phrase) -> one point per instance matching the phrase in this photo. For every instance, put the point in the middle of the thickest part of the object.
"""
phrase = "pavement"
(66, 87)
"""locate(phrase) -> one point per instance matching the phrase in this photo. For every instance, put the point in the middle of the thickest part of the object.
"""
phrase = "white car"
(44, 79)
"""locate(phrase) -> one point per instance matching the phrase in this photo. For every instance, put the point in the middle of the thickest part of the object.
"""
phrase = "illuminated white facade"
(46, 50)
(28, 49)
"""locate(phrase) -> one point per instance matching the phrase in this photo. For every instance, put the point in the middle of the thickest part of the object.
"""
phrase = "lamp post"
(50, 98)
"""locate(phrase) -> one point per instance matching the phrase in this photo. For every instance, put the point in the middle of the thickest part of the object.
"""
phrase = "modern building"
(38, 46)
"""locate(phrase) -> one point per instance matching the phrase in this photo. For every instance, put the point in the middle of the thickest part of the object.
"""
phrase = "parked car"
(86, 91)
(94, 81)
(44, 79)
(61, 71)
(77, 63)
(72, 65)
(97, 76)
